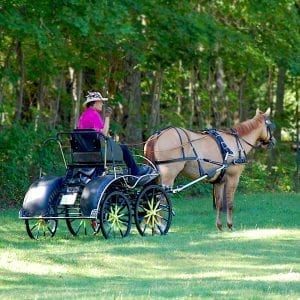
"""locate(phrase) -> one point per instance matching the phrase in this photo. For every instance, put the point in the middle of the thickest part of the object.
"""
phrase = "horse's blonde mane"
(246, 127)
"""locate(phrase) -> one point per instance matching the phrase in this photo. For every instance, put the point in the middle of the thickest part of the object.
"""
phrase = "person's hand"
(108, 112)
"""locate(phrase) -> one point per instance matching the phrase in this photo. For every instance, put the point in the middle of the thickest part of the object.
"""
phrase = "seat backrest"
(86, 146)
(91, 147)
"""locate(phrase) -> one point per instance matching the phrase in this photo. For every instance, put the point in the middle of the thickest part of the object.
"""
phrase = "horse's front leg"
(230, 188)
(218, 196)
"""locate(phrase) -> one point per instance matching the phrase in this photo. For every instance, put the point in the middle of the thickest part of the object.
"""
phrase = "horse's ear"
(268, 112)
(257, 112)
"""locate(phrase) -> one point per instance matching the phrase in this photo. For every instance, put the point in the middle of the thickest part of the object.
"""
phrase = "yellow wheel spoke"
(115, 217)
(152, 213)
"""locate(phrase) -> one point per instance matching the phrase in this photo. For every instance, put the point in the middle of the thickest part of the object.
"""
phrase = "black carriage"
(97, 193)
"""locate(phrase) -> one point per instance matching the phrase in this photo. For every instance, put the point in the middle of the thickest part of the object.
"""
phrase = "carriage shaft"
(179, 189)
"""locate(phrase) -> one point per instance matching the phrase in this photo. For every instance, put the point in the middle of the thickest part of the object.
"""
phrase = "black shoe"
(144, 170)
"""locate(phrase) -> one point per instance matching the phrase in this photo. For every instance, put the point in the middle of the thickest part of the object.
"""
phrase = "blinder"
(270, 143)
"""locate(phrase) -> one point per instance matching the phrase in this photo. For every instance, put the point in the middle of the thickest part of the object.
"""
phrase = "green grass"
(260, 259)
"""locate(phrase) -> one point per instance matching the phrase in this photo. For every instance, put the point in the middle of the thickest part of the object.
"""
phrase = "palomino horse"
(218, 157)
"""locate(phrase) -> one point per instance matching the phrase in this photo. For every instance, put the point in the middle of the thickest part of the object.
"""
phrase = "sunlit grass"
(260, 259)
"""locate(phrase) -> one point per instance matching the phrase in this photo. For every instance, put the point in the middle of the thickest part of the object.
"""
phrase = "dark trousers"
(129, 160)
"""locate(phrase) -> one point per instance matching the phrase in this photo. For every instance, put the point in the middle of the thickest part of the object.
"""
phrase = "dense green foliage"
(258, 260)
(189, 63)
(20, 148)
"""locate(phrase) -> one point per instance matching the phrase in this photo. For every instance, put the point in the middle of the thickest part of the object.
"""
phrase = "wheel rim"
(115, 216)
(81, 226)
(41, 228)
(153, 212)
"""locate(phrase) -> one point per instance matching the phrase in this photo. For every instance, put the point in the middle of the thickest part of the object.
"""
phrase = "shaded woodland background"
(189, 63)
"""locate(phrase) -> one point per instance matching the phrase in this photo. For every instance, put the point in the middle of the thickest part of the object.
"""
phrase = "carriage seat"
(89, 146)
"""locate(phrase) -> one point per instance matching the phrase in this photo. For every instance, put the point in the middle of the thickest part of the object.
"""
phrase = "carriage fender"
(36, 200)
(93, 193)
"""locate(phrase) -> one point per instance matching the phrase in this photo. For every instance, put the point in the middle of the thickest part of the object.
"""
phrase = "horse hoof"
(230, 227)
(219, 226)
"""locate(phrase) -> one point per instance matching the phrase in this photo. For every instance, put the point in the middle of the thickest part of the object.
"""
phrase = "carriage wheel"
(79, 226)
(115, 215)
(153, 211)
(41, 228)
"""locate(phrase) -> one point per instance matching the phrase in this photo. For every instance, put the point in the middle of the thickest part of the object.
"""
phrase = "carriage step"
(94, 214)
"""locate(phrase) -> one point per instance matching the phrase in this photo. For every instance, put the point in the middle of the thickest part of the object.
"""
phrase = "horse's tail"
(214, 198)
(149, 148)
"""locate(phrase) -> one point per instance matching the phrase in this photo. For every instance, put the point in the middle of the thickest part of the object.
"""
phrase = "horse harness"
(224, 149)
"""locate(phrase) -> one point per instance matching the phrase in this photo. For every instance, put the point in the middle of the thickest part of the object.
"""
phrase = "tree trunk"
(220, 86)
(20, 91)
(242, 105)
(6, 66)
(76, 89)
(270, 88)
(211, 103)
(278, 113)
(59, 83)
(40, 102)
(297, 177)
(179, 96)
(198, 103)
(132, 92)
(279, 101)
(154, 121)
(78, 96)
(192, 96)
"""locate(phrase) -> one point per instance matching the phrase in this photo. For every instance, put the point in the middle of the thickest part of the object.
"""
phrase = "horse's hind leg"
(218, 191)
(224, 201)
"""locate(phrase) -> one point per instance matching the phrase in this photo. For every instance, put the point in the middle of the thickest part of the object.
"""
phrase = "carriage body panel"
(40, 196)
(93, 193)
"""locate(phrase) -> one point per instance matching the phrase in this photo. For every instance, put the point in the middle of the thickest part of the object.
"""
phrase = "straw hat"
(94, 96)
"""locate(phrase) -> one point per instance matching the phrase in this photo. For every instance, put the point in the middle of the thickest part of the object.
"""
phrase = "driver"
(91, 119)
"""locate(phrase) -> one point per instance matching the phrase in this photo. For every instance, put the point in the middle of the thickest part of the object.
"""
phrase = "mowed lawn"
(260, 259)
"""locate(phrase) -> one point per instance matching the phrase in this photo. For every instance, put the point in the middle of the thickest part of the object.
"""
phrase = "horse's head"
(267, 138)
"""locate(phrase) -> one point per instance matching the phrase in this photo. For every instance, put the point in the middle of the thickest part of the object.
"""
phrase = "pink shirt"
(90, 119)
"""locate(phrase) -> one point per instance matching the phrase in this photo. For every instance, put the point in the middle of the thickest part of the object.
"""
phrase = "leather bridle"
(271, 140)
